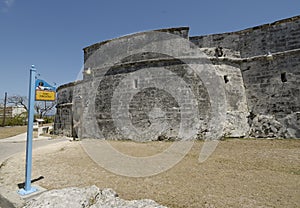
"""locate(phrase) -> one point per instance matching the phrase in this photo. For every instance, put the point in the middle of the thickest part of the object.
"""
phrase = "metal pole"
(4, 109)
(44, 108)
(28, 189)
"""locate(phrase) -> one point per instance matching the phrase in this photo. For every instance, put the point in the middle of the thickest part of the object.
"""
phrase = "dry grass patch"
(10, 131)
(240, 173)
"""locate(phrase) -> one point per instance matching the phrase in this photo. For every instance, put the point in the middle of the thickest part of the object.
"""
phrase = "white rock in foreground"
(91, 197)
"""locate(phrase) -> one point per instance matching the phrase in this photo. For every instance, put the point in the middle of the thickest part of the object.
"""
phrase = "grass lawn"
(11, 131)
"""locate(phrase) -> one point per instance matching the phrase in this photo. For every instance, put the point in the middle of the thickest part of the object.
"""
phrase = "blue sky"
(52, 33)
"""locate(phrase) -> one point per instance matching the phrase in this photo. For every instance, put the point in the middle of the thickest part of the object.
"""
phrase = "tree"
(14, 110)
(18, 100)
(43, 107)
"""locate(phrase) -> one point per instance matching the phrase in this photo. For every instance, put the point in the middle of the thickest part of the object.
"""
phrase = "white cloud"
(6, 4)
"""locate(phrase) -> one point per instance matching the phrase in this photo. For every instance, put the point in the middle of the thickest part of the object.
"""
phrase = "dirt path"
(240, 173)
(15, 144)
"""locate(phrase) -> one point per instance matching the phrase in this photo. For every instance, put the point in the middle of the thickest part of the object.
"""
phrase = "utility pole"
(4, 109)
(45, 106)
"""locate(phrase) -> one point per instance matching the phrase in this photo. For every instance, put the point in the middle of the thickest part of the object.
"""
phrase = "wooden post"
(4, 109)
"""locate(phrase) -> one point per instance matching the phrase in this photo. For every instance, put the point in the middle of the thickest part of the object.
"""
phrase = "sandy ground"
(240, 173)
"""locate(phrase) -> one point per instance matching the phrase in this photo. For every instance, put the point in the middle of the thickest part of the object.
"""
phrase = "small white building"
(12, 111)
(17, 110)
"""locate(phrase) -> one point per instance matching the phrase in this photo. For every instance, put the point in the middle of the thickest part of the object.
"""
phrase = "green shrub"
(15, 121)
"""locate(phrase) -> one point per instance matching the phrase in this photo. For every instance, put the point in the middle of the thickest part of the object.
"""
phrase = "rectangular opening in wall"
(226, 79)
(283, 77)
(135, 84)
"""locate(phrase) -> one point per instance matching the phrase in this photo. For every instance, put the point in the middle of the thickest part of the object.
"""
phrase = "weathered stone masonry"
(262, 93)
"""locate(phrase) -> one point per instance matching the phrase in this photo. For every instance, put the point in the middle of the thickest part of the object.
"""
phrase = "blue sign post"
(28, 189)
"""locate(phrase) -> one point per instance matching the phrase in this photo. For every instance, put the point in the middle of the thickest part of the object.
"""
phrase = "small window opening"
(283, 77)
(226, 79)
(219, 52)
(135, 84)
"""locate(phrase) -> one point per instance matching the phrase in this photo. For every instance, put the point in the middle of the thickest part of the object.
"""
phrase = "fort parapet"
(256, 75)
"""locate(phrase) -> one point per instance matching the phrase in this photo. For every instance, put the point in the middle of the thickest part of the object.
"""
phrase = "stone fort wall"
(260, 93)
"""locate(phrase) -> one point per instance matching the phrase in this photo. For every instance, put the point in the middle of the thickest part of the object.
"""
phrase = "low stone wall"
(279, 36)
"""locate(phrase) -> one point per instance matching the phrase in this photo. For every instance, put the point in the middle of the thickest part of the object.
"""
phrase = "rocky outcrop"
(266, 126)
(90, 197)
(292, 123)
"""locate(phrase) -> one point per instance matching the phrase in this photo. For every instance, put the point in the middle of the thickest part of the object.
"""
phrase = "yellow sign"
(44, 95)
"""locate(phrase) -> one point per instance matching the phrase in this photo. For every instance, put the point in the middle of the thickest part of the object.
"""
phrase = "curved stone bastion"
(166, 85)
